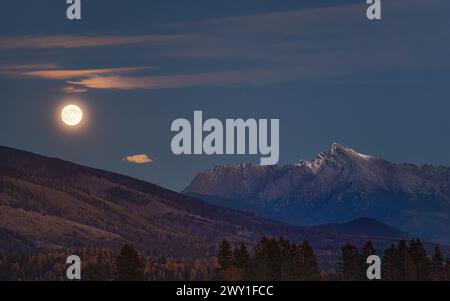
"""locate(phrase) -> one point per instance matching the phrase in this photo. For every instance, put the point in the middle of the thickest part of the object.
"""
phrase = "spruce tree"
(350, 268)
(273, 260)
(420, 258)
(438, 268)
(129, 265)
(298, 262)
(308, 263)
(241, 257)
(259, 270)
(390, 263)
(225, 255)
(286, 251)
(259, 267)
(406, 266)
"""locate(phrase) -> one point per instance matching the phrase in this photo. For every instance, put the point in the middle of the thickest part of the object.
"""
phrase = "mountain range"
(338, 185)
(48, 204)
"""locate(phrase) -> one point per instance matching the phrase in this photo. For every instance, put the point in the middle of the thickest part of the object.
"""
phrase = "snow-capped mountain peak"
(339, 184)
(340, 149)
(337, 153)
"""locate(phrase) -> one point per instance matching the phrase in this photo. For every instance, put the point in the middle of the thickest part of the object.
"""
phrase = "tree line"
(271, 259)
(277, 259)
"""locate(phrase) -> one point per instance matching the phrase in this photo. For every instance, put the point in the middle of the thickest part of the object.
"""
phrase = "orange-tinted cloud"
(219, 78)
(67, 73)
(51, 71)
(138, 159)
(69, 41)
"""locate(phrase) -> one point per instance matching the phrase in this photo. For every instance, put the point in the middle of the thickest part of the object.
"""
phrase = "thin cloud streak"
(304, 37)
(67, 74)
(52, 71)
(22, 67)
(220, 78)
(72, 90)
(70, 41)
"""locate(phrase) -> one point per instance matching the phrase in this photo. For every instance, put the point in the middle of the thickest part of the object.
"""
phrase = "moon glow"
(71, 115)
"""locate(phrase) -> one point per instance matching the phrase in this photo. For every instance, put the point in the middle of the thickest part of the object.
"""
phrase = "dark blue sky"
(325, 71)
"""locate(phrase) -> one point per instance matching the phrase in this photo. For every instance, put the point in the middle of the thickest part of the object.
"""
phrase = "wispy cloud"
(53, 71)
(313, 37)
(71, 41)
(219, 78)
(25, 67)
(138, 159)
(280, 22)
(70, 73)
(72, 90)
(308, 44)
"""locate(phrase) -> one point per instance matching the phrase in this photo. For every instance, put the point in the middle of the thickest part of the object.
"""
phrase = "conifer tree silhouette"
(225, 255)
(437, 266)
(129, 265)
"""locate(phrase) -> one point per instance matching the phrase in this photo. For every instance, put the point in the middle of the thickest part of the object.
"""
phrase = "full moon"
(71, 115)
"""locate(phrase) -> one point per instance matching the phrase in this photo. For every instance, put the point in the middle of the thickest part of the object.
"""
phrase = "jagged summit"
(336, 147)
(337, 153)
(340, 149)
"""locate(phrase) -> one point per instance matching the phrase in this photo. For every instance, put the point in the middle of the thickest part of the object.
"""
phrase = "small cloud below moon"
(138, 159)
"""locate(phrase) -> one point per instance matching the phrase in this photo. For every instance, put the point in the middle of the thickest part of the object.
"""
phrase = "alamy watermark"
(74, 10)
(374, 9)
(374, 270)
(232, 137)
(74, 270)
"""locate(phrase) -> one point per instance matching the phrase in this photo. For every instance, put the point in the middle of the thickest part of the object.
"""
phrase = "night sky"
(328, 73)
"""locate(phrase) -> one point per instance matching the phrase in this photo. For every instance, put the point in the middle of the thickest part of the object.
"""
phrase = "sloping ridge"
(53, 204)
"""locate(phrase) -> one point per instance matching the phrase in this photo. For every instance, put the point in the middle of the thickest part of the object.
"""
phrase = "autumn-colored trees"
(99, 265)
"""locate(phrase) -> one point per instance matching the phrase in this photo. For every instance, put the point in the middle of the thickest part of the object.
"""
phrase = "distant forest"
(272, 259)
